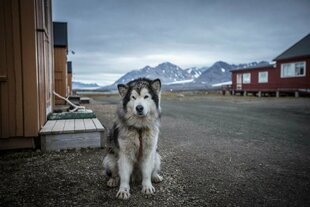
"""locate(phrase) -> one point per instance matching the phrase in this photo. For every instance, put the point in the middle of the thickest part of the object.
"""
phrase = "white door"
(239, 81)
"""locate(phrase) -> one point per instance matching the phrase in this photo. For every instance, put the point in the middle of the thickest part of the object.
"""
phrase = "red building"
(290, 73)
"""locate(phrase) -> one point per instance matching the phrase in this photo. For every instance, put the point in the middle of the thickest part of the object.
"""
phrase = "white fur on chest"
(132, 143)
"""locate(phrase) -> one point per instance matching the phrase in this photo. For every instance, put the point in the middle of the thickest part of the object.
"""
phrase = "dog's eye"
(134, 98)
(145, 97)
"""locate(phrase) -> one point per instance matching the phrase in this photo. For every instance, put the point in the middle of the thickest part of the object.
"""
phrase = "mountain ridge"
(170, 73)
(82, 85)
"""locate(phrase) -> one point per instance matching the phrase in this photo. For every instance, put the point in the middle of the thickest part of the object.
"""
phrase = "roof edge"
(277, 58)
(253, 68)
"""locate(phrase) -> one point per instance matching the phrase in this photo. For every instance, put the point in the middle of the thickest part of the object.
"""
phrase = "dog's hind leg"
(110, 170)
(156, 178)
(113, 182)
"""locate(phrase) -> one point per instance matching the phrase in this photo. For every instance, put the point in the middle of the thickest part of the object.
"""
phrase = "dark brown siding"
(254, 85)
(275, 82)
(11, 107)
(60, 62)
(30, 72)
(25, 63)
(44, 60)
(294, 82)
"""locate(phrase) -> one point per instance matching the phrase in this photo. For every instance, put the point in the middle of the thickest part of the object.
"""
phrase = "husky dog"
(132, 141)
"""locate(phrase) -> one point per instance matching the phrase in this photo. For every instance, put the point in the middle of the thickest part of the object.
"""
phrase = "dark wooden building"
(60, 60)
(290, 73)
(69, 69)
(26, 70)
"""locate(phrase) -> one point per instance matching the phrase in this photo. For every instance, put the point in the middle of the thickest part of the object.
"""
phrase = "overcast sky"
(112, 37)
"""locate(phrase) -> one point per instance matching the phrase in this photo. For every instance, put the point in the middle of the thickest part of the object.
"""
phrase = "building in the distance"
(60, 60)
(69, 75)
(289, 74)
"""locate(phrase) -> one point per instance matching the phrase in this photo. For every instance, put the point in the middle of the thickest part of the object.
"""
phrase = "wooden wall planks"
(26, 64)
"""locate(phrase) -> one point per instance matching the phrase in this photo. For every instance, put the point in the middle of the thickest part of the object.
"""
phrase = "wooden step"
(71, 133)
(85, 100)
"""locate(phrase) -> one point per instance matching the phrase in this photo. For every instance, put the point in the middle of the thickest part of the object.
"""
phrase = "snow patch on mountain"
(180, 82)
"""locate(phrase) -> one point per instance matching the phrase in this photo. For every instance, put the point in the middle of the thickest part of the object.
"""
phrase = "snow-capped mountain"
(172, 76)
(220, 72)
(167, 72)
(80, 85)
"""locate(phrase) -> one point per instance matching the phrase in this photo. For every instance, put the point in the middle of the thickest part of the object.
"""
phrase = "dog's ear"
(122, 89)
(156, 85)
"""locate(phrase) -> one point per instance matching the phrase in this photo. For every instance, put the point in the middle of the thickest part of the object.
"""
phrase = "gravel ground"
(216, 151)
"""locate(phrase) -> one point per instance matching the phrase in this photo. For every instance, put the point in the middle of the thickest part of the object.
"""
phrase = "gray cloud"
(115, 36)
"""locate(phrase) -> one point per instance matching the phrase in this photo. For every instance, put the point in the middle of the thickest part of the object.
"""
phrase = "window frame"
(259, 77)
(247, 82)
(294, 68)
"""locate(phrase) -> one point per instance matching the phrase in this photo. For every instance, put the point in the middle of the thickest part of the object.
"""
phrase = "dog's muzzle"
(139, 110)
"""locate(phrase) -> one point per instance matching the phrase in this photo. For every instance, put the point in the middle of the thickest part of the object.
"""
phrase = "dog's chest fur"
(137, 142)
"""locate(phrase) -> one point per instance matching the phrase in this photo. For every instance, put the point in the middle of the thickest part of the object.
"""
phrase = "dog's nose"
(139, 108)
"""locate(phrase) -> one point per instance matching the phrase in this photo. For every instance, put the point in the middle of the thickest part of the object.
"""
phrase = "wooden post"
(296, 94)
(259, 94)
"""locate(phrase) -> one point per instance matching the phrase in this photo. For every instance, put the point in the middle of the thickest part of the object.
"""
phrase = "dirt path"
(216, 151)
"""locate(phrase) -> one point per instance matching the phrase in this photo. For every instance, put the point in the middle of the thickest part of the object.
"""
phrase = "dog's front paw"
(123, 194)
(148, 189)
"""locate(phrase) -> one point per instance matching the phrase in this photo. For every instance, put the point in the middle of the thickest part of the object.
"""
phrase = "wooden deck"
(71, 133)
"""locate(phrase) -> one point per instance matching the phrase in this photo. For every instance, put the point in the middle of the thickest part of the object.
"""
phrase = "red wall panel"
(275, 82)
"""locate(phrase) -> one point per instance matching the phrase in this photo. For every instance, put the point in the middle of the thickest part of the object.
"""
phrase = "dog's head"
(141, 97)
